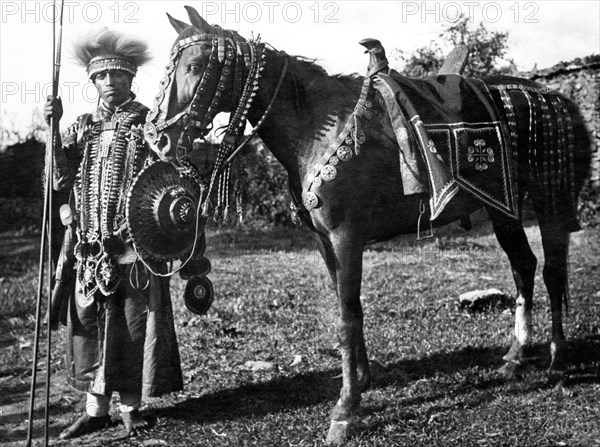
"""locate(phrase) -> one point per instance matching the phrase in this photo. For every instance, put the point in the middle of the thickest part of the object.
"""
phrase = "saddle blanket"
(460, 140)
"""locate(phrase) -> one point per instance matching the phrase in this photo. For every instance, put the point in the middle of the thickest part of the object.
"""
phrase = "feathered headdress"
(105, 49)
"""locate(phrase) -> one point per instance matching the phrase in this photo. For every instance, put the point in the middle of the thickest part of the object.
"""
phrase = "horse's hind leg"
(512, 239)
(555, 240)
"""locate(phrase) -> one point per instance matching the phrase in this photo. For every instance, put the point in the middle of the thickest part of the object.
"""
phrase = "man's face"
(113, 86)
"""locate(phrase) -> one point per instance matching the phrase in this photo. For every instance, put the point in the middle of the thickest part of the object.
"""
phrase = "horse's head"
(211, 70)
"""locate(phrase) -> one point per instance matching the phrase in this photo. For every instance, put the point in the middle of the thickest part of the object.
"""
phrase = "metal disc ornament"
(199, 294)
(161, 212)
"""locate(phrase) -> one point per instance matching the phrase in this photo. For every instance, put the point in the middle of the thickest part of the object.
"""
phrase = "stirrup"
(427, 234)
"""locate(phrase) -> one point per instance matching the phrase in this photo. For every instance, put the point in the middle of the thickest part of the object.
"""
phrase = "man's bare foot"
(85, 424)
(134, 422)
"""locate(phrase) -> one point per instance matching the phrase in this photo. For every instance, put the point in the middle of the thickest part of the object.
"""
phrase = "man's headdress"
(105, 49)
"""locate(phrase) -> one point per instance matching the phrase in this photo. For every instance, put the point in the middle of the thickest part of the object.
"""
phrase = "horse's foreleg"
(345, 258)
(555, 241)
(512, 239)
(362, 361)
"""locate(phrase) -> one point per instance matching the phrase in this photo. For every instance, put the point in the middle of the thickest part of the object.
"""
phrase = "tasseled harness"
(233, 63)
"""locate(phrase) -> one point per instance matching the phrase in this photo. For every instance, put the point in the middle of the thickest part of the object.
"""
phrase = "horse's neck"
(307, 115)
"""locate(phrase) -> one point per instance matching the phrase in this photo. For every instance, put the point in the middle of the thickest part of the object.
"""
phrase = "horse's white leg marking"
(523, 326)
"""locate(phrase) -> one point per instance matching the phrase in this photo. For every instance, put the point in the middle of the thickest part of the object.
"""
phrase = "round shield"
(161, 212)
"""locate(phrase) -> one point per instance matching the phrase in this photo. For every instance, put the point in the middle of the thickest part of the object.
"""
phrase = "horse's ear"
(198, 22)
(177, 24)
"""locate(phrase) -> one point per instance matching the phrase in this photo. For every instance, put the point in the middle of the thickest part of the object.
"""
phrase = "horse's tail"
(554, 155)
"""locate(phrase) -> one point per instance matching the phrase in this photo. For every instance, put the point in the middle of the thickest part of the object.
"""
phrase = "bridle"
(234, 64)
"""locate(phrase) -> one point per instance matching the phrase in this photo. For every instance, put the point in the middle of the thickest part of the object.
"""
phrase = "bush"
(589, 207)
(20, 214)
(266, 198)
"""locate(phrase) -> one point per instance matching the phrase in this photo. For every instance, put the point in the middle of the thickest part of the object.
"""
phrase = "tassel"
(239, 191)
(206, 209)
(356, 134)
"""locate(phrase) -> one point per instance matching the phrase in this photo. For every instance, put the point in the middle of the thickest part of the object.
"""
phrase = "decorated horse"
(371, 158)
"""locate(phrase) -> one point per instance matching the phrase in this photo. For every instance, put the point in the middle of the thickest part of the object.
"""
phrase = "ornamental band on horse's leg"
(349, 174)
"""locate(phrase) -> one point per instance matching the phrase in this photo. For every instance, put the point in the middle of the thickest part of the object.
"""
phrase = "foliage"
(11, 133)
(265, 181)
(20, 214)
(589, 206)
(486, 50)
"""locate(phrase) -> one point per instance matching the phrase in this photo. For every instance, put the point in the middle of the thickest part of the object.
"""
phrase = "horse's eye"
(194, 69)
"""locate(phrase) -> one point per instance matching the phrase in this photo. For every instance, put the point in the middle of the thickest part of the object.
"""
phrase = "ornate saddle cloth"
(460, 138)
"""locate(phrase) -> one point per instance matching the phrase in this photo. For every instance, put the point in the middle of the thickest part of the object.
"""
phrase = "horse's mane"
(310, 71)
(318, 97)
(306, 69)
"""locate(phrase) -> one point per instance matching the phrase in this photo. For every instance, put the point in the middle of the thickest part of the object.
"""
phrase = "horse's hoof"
(509, 370)
(339, 432)
(515, 354)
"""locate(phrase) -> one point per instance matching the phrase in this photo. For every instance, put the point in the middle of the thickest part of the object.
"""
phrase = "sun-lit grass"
(434, 364)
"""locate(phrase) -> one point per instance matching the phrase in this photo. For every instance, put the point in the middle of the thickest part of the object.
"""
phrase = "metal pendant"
(150, 132)
(85, 273)
(360, 136)
(86, 281)
(198, 295)
(107, 274)
(328, 173)
(310, 200)
(344, 153)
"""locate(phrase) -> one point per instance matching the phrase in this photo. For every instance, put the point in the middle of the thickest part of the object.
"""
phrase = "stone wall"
(580, 81)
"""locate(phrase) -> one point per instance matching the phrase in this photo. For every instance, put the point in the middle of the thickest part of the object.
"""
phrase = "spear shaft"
(46, 242)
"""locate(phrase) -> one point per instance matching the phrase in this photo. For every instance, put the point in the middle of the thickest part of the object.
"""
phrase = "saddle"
(450, 135)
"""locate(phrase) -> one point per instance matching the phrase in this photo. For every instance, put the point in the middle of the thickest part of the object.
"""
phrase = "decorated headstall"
(165, 202)
(233, 61)
(234, 69)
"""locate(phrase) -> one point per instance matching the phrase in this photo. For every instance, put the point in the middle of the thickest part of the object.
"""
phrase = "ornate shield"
(161, 210)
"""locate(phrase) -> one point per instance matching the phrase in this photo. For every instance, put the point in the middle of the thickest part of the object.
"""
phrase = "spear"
(46, 241)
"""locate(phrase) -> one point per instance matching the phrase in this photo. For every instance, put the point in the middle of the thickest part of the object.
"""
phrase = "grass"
(435, 380)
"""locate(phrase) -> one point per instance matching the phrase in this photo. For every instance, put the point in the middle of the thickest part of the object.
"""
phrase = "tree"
(10, 133)
(487, 49)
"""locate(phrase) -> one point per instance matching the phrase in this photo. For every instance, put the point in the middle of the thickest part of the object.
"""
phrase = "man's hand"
(53, 108)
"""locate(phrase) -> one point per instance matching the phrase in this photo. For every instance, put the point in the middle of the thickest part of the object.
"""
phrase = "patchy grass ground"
(434, 365)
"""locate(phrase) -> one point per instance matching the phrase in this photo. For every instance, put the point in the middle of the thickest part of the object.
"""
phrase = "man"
(121, 335)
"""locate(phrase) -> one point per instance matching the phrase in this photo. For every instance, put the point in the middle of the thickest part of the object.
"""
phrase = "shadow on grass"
(285, 394)
(309, 389)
